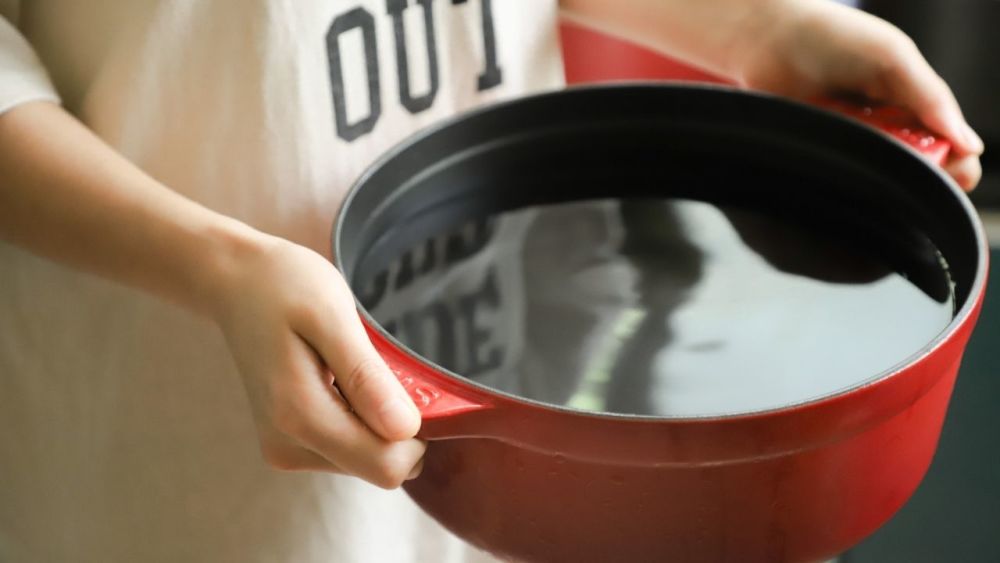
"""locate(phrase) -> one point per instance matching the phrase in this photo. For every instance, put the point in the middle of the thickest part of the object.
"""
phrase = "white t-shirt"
(124, 433)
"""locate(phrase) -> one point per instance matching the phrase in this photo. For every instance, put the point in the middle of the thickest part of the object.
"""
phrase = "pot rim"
(961, 318)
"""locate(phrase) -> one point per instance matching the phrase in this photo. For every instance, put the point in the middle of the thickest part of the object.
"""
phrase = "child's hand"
(817, 47)
(288, 316)
(799, 48)
(291, 324)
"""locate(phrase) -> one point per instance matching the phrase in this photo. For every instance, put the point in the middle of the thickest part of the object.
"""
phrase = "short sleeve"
(22, 76)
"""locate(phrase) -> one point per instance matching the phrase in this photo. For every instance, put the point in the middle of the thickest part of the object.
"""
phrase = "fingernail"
(396, 417)
(411, 405)
(415, 472)
(975, 141)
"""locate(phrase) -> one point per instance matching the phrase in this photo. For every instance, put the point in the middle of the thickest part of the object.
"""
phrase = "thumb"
(913, 84)
(336, 333)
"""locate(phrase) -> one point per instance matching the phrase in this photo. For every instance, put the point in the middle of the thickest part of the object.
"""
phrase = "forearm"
(718, 35)
(66, 195)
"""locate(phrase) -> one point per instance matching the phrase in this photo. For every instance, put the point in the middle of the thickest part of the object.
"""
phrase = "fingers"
(912, 83)
(334, 330)
(386, 469)
(966, 170)
(293, 325)
(280, 454)
(315, 416)
(339, 435)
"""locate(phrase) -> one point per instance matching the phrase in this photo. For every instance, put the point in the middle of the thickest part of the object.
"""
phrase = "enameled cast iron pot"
(537, 482)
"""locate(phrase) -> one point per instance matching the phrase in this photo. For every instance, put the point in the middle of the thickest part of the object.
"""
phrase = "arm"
(286, 313)
(798, 48)
(67, 196)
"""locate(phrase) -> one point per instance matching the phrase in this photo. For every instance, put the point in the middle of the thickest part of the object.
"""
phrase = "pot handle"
(898, 123)
(448, 409)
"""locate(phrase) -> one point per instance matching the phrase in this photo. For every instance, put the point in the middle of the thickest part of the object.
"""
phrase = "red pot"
(536, 482)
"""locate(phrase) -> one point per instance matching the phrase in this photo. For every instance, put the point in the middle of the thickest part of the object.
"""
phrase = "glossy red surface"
(533, 483)
(591, 56)
(803, 483)
(899, 124)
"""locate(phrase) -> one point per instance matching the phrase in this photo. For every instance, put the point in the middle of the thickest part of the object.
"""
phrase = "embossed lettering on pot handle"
(898, 123)
(448, 408)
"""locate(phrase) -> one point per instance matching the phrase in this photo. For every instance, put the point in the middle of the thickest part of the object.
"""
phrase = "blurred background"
(955, 514)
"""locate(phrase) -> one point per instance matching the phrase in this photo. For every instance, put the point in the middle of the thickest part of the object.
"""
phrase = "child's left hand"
(822, 48)
(799, 48)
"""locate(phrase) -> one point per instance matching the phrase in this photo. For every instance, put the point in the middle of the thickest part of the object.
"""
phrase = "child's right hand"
(288, 316)
(321, 396)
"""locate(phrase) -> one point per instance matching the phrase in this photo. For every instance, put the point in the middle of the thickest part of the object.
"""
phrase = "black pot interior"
(661, 141)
